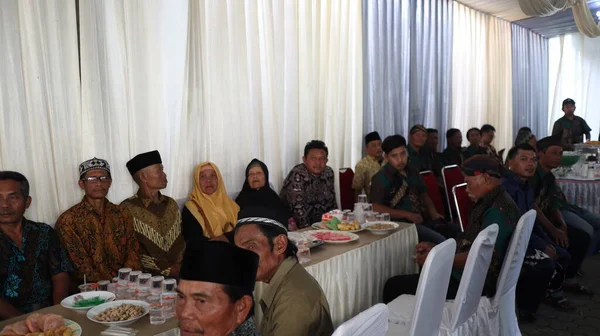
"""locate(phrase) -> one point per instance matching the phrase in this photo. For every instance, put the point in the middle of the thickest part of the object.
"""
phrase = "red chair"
(434, 191)
(346, 191)
(452, 176)
(463, 204)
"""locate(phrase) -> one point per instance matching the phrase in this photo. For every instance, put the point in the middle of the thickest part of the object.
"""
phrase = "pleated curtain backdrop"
(407, 65)
(530, 81)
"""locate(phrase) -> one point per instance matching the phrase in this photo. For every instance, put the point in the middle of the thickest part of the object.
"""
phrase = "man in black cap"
(368, 166)
(156, 218)
(215, 291)
(293, 304)
(493, 206)
(570, 128)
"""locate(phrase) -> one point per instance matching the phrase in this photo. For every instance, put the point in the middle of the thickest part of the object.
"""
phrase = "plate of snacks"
(43, 324)
(335, 224)
(118, 313)
(380, 228)
(82, 302)
(335, 237)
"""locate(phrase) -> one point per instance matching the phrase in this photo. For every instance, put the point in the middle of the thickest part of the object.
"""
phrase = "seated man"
(97, 234)
(309, 189)
(34, 266)
(156, 218)
(399, 190)
(488, 133)
(474, 138)
(493, 206)
(433, 140)
(368, 166)
(215, 290)
(542, 254)
(453, 154)
(293, 303)
(420, 156)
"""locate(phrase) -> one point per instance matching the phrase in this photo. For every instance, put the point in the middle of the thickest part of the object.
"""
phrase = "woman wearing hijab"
(257, 192)
(210, 212)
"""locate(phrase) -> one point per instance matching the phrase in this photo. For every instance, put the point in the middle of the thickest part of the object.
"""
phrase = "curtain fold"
(530, 81)
(40, 112)
(407, 65)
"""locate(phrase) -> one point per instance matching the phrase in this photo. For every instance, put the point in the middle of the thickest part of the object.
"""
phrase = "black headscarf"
(264, 196)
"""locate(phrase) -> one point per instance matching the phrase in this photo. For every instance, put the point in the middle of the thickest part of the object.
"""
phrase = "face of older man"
(480, 185)
(154, 176)
(96, 183)
(204, 308)
(315, 161)
(12, 202)
(250, 237)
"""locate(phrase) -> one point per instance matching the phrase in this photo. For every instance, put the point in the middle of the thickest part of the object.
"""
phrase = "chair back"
(433, 191)
(432, 290)
(452, 176)
(462, 204)
(473, 278)
(373, 321)
(346, 191)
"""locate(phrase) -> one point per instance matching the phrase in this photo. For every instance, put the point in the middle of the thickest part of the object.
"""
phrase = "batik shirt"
(570, 131)
(489, 150)
(364, 172)
(248, 328)
(544, 187)
(473, 150)
(98, 244)
(26, 273)
(386, 189)
(453, 156)
(308, 196)
(158, 231)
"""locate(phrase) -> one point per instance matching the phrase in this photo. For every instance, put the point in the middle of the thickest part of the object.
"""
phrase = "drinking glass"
(386, 217)
(169, 302)
(142, 294)
(115, 279)
(144, 280)
(303, 253)
(156, 284)
(156, 309)
(133, 278)
(362, 198)
(169, 285)
(112, 287)
(103, 285)
(349, 217)
(124, 276)
(371, 216)
(89, 287)
(368, 207)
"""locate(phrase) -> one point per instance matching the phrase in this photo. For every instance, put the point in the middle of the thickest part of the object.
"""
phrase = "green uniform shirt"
(388, 181)
(570, 131)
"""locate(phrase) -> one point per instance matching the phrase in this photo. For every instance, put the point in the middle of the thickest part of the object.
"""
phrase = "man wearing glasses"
(97, 235)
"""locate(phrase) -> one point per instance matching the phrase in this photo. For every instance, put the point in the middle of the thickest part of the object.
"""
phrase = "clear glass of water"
(133, 278)
(144, 280)
(386, 216)
(169, 285)
(121, 292)
(103, 285)
(156, 284)
(303, 253)
(362, 198)
(156, 309)
(115, 279)
(368, 207)
(349, 217)
(370, 216)
(142, 294)
(169, 300)
(89, 287)
(112, 287)
(124, 276)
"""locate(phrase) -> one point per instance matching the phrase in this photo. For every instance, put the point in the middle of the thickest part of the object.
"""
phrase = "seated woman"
(210, 212)
(257, 191)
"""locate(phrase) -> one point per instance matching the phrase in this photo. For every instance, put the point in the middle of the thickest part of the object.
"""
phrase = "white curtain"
(40, 112)
(574, 67)
(482, 74)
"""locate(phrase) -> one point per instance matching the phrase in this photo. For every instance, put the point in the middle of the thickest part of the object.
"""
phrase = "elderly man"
(33, 265)
(293, 303)
(156, 218)
(215, 291)
(368, 166)
(309, 189)
(97, 234)
(570, 129)
(493, 206)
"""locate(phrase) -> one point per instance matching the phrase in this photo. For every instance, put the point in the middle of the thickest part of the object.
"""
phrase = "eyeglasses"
(93, 179)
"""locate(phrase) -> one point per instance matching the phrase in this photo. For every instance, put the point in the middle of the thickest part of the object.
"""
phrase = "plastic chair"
(462, 203)
(346, 191)
(459, 317)
(373, 321)
(452, 175)
(430, 296)
(498, 314)
(433, 191)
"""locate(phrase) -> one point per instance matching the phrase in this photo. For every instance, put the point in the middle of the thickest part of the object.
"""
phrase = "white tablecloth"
(583, 193)
(353, 280)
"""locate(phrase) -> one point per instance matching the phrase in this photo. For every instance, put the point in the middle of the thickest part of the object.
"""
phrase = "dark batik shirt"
(388, 181)
(453, 156)
(473, 150)
(570, 131)
(26, 273)
(544, 187)
(308, 196)
(248, 328)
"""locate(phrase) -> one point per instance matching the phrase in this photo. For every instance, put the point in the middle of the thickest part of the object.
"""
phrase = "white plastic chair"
(430, 295)
(498, 314)
(373, 321)
(459, 317)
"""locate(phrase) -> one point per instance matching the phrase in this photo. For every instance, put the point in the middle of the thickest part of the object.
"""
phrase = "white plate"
(366, 226)
(317, 227)
(68, 302)
(99, 309)
(73, 326)
(315, 234)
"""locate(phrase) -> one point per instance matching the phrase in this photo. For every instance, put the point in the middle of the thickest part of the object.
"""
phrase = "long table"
(583, 193)
(352, 276)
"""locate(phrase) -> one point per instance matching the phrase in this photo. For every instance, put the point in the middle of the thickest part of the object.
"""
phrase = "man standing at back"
(368, 166)
(570, 129)
(156, 217)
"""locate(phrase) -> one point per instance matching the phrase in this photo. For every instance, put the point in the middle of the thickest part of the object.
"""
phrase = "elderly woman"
(210, 212)
(257, 192)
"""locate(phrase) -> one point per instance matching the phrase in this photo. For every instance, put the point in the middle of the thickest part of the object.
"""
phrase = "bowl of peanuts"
(118, 313)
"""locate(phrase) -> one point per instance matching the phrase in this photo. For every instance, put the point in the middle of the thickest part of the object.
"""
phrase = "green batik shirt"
(544, 187)
(388, 181)
(570, 131)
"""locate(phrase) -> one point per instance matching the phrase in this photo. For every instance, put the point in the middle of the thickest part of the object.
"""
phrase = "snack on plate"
(345, 226)
(593, 142)
(381, 226)
(333, 223)
(119, 313)
(331, 215)
(38, 325)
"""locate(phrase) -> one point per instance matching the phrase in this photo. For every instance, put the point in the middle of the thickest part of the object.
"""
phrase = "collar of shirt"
(388, 167)
(374, 159)
(147, 201)
(285, 267)
(412, 151)
(88, 206)
(25, 228)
